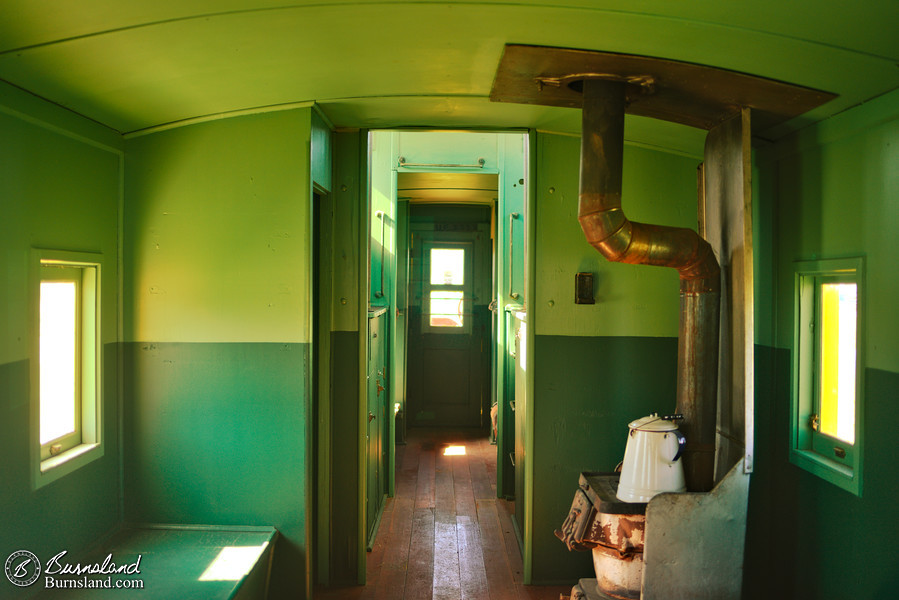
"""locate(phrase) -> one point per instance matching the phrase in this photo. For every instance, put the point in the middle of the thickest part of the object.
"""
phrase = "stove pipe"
(621, 240)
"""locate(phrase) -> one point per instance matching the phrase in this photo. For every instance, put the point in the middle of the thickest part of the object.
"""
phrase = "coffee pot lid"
(654, 422)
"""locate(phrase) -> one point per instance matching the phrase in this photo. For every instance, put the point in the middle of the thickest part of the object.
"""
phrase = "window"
(66, 398)
(827, 370)
(447, 293)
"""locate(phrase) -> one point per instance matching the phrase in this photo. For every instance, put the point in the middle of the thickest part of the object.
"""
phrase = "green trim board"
(530, 293)
(364, 214)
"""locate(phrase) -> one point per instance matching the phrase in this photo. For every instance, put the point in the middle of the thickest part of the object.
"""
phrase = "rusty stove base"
(586, 589)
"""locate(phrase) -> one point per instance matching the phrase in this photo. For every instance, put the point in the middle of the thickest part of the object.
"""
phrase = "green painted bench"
(166, 562)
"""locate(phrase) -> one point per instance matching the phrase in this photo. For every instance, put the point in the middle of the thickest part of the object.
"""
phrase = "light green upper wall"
(217, 231)
(837, 186)
(631, 300)
(60, 183)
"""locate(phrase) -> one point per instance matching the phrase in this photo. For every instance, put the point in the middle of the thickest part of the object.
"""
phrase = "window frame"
(88, 443)
(467, 287)
(809, 448)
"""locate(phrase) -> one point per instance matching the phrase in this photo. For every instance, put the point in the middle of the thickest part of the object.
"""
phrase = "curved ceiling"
(135, 65)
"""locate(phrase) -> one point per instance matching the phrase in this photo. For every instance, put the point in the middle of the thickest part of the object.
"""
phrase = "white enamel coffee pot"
(652, 459)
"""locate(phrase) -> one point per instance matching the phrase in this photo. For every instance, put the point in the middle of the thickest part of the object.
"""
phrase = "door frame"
(363, 272)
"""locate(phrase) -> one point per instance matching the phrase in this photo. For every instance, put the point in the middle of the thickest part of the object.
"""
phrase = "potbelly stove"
(613, 530)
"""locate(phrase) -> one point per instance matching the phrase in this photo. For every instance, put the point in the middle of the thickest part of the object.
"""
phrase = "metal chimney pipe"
(620, 240)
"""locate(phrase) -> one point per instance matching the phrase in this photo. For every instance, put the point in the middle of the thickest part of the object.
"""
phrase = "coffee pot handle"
(681, 443)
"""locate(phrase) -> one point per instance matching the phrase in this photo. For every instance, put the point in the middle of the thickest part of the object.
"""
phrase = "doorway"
(449, 327)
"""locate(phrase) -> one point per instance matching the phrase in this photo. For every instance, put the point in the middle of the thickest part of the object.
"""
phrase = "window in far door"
(447, 288)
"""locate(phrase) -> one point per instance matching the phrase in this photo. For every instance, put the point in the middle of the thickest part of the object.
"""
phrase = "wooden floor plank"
(420, 574)
(392, 581)
(462, 489)
(407, 460)
(424, 489)
(480, 481)
(376, 556)
(472, 573)
(500, 582)
(444, 494)
(506, 512)
(447, 583)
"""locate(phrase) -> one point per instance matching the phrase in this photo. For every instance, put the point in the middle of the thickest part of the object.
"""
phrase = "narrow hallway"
(445, 535)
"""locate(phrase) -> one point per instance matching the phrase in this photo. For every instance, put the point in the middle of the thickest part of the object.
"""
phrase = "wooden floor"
(445, 536)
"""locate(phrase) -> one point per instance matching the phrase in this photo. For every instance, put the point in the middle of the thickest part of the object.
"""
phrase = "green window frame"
(66, 404)
(828, 370)
(457, 291)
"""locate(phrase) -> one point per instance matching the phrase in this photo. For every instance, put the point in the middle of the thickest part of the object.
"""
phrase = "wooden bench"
(167, 562)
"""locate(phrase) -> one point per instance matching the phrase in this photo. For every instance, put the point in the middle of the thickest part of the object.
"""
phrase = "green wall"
(596, 367)
(60, 188)
(217, 324)
(829, 191)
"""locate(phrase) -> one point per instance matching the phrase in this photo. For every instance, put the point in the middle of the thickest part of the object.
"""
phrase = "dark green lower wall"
(73, 512)
(216, 434)
(807, 538)
(345, 476)
(586, 391)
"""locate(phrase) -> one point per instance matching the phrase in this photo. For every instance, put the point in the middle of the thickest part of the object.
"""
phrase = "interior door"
(449, 328)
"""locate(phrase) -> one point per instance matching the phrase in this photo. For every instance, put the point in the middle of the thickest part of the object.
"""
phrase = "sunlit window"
(67, 362)
(827, 393)
(447, 292)
(58, 344)
(838, 357)
(446, 309)
(447, 266)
